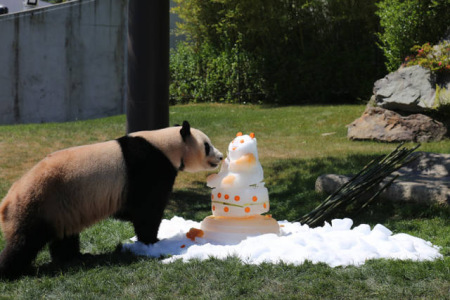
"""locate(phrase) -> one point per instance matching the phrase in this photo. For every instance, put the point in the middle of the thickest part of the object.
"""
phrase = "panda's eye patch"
(207, 149)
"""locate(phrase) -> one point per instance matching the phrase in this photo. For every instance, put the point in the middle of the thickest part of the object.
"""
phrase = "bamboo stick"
(365, 181)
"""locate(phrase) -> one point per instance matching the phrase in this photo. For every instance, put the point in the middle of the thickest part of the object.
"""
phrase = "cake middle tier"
(239, 202)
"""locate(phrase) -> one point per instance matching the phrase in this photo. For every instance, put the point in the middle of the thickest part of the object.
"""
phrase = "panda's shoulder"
(139, 153)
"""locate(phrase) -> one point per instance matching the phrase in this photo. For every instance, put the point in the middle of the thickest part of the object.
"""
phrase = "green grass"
(293, 152)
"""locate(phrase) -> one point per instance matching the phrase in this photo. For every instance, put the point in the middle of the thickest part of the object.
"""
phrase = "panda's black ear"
(185, 130)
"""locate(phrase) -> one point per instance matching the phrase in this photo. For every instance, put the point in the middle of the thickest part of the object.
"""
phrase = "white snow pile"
(335, 244)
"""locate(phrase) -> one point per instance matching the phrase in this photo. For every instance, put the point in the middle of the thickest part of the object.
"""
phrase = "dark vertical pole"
(148, 65)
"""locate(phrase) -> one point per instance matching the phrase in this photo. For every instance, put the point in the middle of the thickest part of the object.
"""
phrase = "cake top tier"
(241, 168)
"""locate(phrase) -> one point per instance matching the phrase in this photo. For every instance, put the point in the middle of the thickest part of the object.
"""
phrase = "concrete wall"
(64, 62)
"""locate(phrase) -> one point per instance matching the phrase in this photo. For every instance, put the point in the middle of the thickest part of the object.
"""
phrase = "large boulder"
(426, 180)
(410, 89)
(387, 126)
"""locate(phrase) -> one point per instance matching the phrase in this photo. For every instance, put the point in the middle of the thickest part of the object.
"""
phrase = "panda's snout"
(218, 157)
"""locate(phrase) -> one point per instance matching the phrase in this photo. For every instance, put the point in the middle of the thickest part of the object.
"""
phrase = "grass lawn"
(296, 145)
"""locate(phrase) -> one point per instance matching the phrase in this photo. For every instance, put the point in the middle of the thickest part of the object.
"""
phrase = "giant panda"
(129, 178)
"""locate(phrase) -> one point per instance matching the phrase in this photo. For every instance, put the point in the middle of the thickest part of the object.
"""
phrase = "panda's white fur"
(71, 189)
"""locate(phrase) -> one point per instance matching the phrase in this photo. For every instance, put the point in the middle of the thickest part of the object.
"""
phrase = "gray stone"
(411, 89)
(425, 180)
(387, 126)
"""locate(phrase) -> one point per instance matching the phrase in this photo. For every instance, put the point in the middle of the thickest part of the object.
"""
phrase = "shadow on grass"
(88, 261)
(193, 203)
(293, 191)
(291, 185)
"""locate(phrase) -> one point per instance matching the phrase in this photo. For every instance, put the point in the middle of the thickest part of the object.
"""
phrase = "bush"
(436, 58)
(209, 75)
(293, 51)
(409, 23)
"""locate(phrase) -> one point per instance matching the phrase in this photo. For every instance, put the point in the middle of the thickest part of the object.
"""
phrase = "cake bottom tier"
(240, 202)
(225, 230)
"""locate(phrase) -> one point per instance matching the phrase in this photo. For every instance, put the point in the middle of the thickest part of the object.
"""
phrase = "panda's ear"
(185, 130)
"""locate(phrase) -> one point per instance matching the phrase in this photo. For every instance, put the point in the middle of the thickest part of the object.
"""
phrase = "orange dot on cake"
(237, 198)
(227, 196)
(255, 198)
(226, 209)
(219, 195)
(247, 209)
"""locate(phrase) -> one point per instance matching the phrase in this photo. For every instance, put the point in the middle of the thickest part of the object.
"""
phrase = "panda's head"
(199, 154)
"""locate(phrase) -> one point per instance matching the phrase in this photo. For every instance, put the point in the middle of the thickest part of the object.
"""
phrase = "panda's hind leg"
(65, 249)
(15, 261)
(22, 248)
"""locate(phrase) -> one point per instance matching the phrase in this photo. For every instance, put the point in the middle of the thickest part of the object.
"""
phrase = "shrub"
(209, 75)
(293, 51)
(436, 58)
(406, 23)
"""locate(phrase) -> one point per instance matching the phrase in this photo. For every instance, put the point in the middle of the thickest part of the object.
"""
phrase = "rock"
(329, 183)
(425, 180)
(387, 126)
(410, 89)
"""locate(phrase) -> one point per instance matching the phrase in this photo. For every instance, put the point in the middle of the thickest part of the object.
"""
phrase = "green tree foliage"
(406, 23)
(286, 51)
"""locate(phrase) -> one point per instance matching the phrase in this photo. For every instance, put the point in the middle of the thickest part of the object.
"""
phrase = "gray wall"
(64, 62)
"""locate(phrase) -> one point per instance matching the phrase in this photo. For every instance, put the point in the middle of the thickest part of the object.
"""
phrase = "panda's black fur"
(140, 157)
(129, 178)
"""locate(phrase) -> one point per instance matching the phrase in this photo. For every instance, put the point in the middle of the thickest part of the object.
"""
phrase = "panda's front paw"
(148, 241)
(154, 241)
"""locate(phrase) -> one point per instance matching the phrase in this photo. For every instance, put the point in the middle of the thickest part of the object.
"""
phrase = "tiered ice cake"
(238, 197)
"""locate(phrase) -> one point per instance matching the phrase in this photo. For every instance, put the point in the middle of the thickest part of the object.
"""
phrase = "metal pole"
(148, 65)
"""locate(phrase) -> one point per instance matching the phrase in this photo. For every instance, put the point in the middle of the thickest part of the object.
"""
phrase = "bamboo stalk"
(365, 181)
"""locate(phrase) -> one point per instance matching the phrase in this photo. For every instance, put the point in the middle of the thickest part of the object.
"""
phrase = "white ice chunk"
(341, 224)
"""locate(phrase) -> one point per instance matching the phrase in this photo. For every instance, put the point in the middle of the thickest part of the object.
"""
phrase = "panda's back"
(73, 188)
